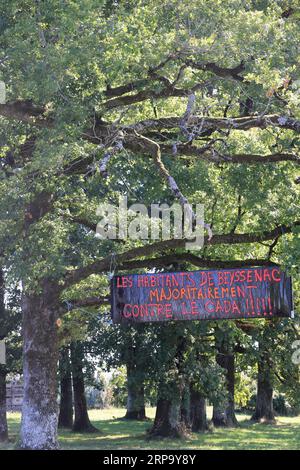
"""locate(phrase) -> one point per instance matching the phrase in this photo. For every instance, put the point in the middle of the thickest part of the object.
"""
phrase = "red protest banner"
(264, 292)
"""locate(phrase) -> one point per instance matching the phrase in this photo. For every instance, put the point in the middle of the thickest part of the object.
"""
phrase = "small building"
(14, 396)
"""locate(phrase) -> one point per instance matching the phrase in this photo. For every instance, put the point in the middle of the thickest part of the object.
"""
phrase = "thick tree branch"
(103, 265)
(214, 123)
(167, 92)
(223, 72)
(207, 153)
(25, 111)
(87, 302)
(127, 88)
(167, 260)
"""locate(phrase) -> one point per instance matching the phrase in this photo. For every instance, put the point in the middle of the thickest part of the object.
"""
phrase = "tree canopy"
(188, 101)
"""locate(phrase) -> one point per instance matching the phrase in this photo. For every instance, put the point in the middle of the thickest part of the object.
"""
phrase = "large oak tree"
(164, 101)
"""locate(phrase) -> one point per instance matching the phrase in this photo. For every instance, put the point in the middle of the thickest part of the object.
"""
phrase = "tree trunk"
(135, 397)
(65, 418)
(219, 418)
(3, 418)
(40, 357)
(81, 422)
(135, 403)
(198, 412)
(186, 406)
(229, 411)
(226, 417)
(135, 374)
(168, 421)
(264, 411)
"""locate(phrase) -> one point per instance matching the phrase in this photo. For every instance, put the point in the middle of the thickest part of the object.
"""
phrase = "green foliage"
(65, 56)
(243, 390)
(119, 388)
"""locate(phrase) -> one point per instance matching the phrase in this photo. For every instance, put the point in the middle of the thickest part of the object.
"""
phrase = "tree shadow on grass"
(126, 434)
(120, 434)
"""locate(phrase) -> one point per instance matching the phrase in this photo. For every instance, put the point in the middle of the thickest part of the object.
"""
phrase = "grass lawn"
(116, 433)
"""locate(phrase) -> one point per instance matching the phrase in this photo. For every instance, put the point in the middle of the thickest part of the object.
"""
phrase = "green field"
(116, 433)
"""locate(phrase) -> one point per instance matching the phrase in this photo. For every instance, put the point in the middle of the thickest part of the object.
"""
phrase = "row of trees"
(180, 367)
(188, 101)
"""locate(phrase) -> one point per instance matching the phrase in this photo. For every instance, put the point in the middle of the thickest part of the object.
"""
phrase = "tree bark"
(135, 399)
(65, 418)
(229, 412)
(186, 406)
(218, 417)
(198, 415)
(81, 422)
(264, 411)
(135, 383)
(40, 357)
(168, 419)
(3, 418)
(135, 374)
(225, 417)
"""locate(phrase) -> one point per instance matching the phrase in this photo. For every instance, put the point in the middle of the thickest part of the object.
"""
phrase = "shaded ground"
(120, 434)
